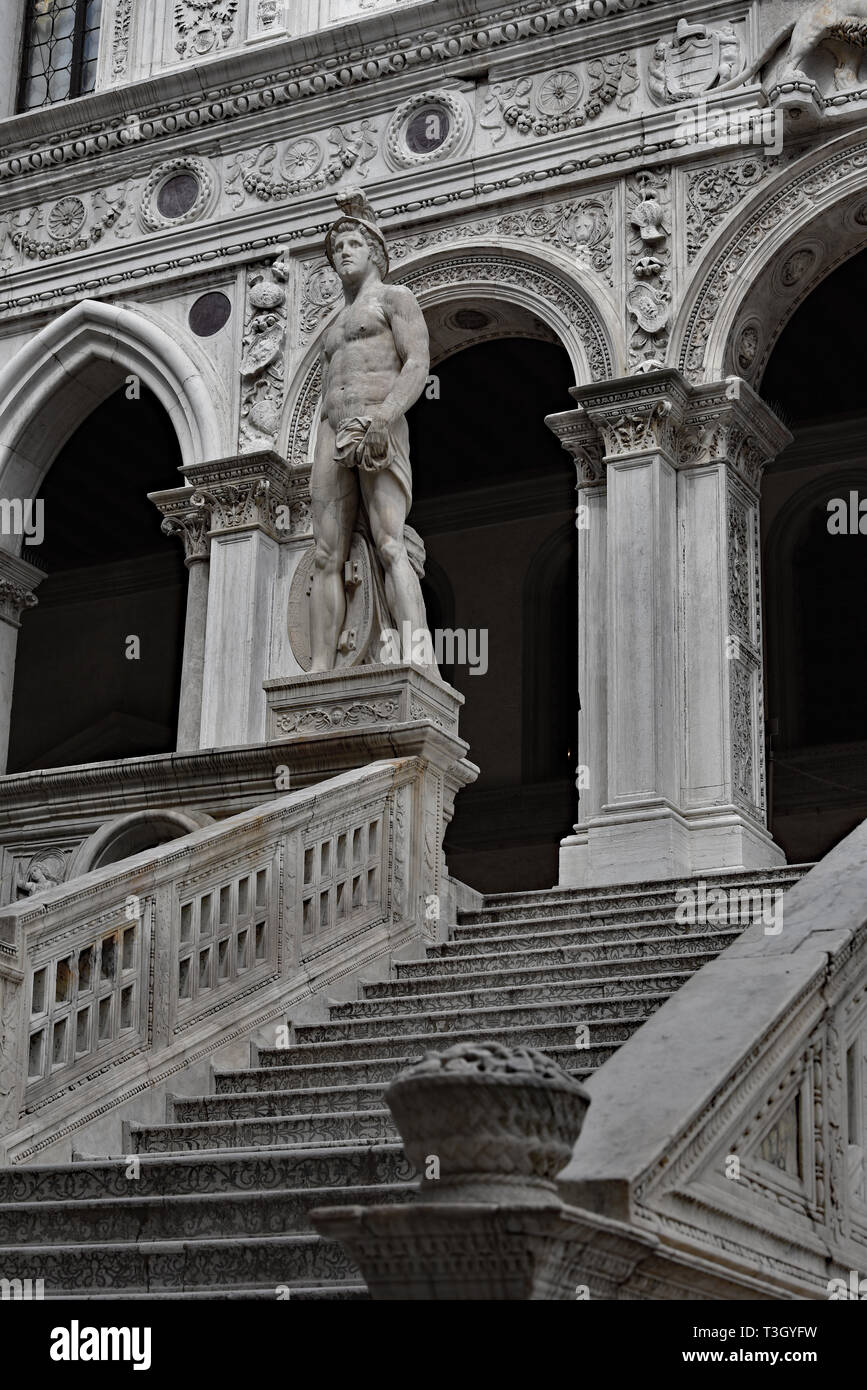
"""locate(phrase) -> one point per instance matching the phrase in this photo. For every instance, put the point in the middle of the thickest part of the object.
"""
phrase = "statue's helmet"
(357, 212)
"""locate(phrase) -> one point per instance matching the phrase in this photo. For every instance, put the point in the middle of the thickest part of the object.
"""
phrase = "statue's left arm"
(412, 344)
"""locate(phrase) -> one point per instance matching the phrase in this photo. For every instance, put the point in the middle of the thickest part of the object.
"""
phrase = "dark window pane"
(177, 195)
(60, 52)
(209, 313)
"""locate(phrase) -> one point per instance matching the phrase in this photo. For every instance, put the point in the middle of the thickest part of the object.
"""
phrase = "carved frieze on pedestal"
(357, 698)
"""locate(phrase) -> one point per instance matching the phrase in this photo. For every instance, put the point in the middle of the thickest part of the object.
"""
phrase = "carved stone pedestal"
(329, 723)
(489, 1129)
(359, 697)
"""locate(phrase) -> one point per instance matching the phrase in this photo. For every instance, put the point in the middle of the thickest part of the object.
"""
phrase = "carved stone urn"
(489, 1129)
(488, 1122)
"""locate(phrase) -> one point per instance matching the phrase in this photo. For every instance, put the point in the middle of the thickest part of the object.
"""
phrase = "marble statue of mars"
(375, 364)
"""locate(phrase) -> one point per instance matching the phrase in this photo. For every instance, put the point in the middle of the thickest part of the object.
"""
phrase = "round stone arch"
(132, 833)
(749, 282)
(574, 304)
(72, 365)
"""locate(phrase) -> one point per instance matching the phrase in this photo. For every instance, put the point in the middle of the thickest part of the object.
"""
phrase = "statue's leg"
(386, 504)
(333, 506)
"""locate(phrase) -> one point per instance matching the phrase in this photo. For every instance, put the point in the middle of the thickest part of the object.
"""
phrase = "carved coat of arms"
(697, 60)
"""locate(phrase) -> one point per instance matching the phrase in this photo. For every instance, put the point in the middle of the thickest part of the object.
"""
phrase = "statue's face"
(351, 253)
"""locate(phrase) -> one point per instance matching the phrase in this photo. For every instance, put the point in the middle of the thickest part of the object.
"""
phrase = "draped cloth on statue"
(351, 450)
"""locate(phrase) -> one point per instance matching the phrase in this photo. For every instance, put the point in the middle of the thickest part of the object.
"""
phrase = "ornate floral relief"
(285, 169)
(648, 255)
(544, 284)
(262, 361)
(740, 606)
(741, 695)
(204, 26)
(581, 227)
(787, 203)
(835, 1091)
(695, 61)
(303, 416)
(311, 721)
(712, 193)
(9, 1058)
(120, 38)
(70, 224)
(562, 100)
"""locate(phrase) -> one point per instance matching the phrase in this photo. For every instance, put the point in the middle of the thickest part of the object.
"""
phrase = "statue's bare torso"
(361, 361)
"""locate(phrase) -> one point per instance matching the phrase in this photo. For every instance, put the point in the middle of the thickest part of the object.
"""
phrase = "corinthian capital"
(18, 582)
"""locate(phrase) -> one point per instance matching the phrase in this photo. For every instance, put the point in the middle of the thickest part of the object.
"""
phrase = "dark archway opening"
(81, 694)
(815, 580)
(494, 497)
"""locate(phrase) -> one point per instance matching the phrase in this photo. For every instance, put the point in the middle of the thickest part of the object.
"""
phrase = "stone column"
(674, 739)
(240, 498)
(18, 580)
(580, 438)
(190, 525)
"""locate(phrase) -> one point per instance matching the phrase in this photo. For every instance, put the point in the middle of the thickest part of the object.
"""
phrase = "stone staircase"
(214, 1202)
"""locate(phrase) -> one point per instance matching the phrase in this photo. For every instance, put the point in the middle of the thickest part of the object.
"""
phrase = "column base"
(655, 843)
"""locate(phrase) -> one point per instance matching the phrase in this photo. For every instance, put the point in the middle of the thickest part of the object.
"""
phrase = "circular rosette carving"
(300, 159)
(560, 92)
(66, 218)
(496, 1118)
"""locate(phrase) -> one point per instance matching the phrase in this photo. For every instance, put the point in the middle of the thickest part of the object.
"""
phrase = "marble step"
(550, 934)
(182, 1216)
(784, 877)
(242, 1105)
(375, 1069)
(364, 1165)
(173, 1266)
(612, 991)
(647, 919)
(300, 1131)
(415, 1044)
(478, 1021)
(628, 973)
(673, 951)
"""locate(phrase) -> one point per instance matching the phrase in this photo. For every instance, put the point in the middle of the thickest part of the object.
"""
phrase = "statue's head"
(355, 241)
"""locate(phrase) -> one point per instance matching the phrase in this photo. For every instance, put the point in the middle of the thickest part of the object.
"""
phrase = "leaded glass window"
(61, 41)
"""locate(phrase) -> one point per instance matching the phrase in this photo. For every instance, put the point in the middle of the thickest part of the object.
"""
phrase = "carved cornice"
(283, 75)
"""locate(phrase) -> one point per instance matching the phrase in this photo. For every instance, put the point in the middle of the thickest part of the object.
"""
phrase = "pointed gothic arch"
(72, 365)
